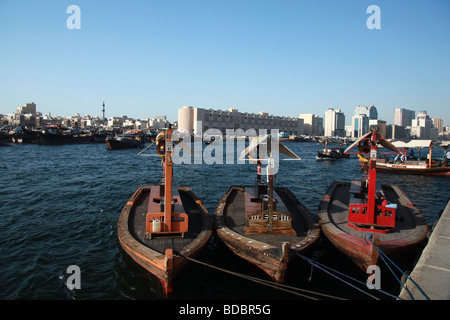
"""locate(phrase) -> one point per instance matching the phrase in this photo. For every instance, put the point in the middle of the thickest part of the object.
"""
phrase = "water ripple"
(60, 206)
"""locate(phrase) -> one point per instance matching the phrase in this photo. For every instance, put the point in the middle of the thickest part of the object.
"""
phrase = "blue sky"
(286, 57)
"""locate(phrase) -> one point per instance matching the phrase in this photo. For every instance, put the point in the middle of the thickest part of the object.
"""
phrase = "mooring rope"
(383, 257)
(271, 284)
(323, 268)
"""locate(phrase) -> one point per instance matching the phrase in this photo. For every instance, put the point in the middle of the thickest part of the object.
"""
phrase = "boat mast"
(372, 177)
(168, 171)
(270, 166)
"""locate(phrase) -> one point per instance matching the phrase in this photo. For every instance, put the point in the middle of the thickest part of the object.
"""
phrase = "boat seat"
(258, 223)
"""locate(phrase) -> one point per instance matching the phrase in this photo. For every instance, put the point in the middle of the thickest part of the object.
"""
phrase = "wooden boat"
(350, 211)
(413, 165)
(5, 138)
(22, 135)
(57, 135)
(161, 237)
(332, 153)
(262, 223)
(99, 135)
(121, 142)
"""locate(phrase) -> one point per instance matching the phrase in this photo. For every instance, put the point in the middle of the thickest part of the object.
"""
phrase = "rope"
(383, 256)
(146, 155)
(323, 268)
(271, 284)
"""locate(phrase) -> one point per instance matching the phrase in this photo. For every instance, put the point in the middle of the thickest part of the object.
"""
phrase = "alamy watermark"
(374, 279)
(74, 280)
(74, 20)
(235, 147)
(374, 20)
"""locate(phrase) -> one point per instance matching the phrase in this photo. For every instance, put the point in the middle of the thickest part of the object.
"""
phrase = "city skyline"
(282, 57)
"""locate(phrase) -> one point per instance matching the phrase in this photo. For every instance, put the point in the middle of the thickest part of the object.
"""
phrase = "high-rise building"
(403, 117)
(360, 125)
(421, 126)
(370, 111)
(380, 124)
(334, 123)
(438, 123)
(313, 125)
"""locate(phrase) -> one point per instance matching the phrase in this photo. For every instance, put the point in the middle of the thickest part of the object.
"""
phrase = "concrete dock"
(432, 271)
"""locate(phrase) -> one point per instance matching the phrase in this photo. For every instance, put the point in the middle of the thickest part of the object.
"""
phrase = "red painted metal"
(370, 216)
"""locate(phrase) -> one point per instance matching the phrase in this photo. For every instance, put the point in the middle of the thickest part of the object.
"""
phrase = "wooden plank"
(154, 204)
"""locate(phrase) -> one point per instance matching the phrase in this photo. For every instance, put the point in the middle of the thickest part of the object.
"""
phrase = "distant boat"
(352, 212)
(129, 139)
(57, 135)
(332, 153)
(22, 135)
(261, 223)
(4, 138)
(100, 135)
(162, 226)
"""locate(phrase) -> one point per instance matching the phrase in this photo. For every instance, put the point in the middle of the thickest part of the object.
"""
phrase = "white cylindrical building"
(185, 119)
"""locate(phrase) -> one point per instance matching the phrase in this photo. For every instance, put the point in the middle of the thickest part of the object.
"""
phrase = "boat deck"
(408, 218)
(161, 243)
(234, 215)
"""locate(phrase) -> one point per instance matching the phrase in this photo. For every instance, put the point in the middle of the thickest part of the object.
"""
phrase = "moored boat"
(122, 142)
(22, 135)
(5, 138)
(162, 237)
(99, 135)
(57, 135)
(415, 165)
(351, 212)
(262, 224)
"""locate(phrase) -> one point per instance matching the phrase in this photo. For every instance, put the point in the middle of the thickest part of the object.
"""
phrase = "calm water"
(60, 205)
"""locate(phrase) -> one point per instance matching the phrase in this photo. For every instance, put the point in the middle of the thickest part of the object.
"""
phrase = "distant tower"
(103, 111)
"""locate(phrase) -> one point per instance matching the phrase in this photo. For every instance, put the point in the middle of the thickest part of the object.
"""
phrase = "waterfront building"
(403, 117)
(158, 122)
(360, 125)
(334, 123)
(361, 118)
(24, 116)
(380, 124)
(198, 120)
(438, 123)
(370, 111)
(421, 126)
(312, 124)
(396, 132)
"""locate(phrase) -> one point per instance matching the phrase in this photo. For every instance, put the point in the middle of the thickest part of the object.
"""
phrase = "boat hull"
(113, 143)
(61, 139)
(334, 155)
(271, 253)
(160, 257)
(443, 171)
(409, 235)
